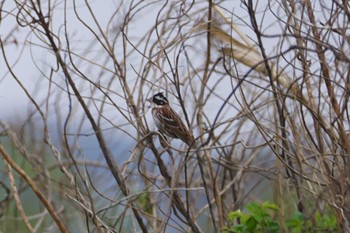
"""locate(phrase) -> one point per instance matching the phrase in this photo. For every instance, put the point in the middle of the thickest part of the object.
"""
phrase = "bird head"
(158, 99)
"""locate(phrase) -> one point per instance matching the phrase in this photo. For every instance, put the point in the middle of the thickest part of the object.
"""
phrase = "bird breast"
(155, 118)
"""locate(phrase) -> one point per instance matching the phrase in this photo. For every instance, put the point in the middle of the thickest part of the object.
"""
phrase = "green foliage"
(144, 201)
(319, 223)
(261, 218)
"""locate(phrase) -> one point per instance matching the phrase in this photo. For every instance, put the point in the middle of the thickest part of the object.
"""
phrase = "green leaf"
(253, 207)
(271, 206)
(234, 214)
(251, 224)
(239, 228)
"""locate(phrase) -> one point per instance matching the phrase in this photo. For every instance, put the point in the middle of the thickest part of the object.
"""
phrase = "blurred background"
(263, 86)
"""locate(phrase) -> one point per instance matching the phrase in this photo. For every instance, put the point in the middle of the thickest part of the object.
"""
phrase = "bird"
(168, 122)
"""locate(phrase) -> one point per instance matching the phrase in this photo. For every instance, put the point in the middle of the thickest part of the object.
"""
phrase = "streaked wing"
(173, 125)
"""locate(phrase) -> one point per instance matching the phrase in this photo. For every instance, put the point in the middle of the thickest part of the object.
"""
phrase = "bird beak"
(149, 100)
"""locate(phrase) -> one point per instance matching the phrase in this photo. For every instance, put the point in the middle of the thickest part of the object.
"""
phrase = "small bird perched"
(168, 121)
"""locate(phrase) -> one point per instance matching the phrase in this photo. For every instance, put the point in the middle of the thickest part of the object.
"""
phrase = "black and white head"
(159, 99)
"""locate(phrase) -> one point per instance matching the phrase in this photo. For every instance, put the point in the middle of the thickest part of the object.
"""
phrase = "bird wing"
(175, 127)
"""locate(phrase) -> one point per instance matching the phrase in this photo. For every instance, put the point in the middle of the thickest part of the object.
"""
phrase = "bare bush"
(264, 86)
